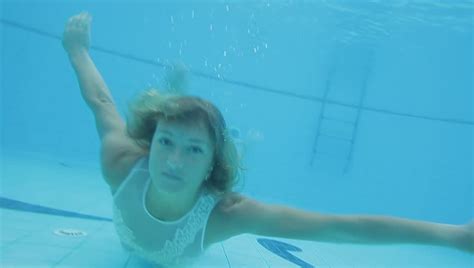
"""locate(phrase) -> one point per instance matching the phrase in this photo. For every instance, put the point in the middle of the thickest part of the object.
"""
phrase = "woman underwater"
(172, 166)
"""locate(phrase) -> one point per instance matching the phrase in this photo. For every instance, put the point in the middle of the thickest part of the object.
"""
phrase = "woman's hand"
(76, 36)
(465, 238)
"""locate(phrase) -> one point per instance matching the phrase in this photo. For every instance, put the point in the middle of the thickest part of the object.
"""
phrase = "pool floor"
(56, 213)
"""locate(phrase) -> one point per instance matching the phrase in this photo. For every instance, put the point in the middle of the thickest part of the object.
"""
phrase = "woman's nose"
(173, 164)
(174, 160)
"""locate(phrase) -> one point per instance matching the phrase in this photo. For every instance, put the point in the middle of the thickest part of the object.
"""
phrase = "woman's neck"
(169, 207)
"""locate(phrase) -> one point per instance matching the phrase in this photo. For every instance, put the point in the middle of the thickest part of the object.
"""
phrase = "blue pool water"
(344, 107)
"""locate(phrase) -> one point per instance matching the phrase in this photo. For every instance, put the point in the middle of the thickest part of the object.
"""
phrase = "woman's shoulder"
(231, 217)
(221, 221)
(232, 202)
(117, 171)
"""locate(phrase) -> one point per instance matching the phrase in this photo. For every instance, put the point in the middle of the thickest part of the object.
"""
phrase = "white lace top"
(166, 243)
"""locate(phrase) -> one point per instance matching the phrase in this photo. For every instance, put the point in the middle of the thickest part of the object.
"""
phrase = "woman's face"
(181, 156)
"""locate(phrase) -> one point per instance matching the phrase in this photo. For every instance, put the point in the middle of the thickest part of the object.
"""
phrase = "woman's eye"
(164, 141)
(196, 149)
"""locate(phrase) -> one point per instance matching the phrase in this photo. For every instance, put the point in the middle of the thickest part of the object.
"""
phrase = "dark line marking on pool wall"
(283, 249)
(12, 204)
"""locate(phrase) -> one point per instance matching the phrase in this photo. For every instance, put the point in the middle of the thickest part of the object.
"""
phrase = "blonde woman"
(171, 170)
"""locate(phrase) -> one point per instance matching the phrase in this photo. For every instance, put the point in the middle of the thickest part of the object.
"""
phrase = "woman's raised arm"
(118, 151)
(76, 42)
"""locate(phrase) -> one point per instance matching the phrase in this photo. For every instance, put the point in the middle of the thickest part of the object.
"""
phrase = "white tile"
(213, 257)
(11, 235)
(104, 239)
(93, 257)
(240, 251)
(21, 255)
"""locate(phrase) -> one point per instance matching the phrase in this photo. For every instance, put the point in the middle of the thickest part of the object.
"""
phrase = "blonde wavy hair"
(151, 106)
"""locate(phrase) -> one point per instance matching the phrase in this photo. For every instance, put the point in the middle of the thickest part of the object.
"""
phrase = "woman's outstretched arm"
(118, 151)
(250, 216)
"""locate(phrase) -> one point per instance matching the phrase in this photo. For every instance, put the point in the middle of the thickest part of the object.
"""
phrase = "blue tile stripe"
(12, 204)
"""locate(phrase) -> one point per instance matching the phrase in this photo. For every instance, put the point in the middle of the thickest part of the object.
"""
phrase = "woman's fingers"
(85, 17)
(76, 35)
(81, 20)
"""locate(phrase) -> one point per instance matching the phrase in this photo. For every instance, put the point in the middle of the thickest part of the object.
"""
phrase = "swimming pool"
(377, 119)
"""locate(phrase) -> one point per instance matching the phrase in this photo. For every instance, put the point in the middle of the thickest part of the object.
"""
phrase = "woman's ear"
(209, 172)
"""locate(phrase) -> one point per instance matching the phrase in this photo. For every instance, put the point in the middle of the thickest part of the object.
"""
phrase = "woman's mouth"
(172, 177)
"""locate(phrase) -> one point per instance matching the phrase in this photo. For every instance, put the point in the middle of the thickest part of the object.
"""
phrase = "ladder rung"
(332, 155)
(335, 137)
(339, 120)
